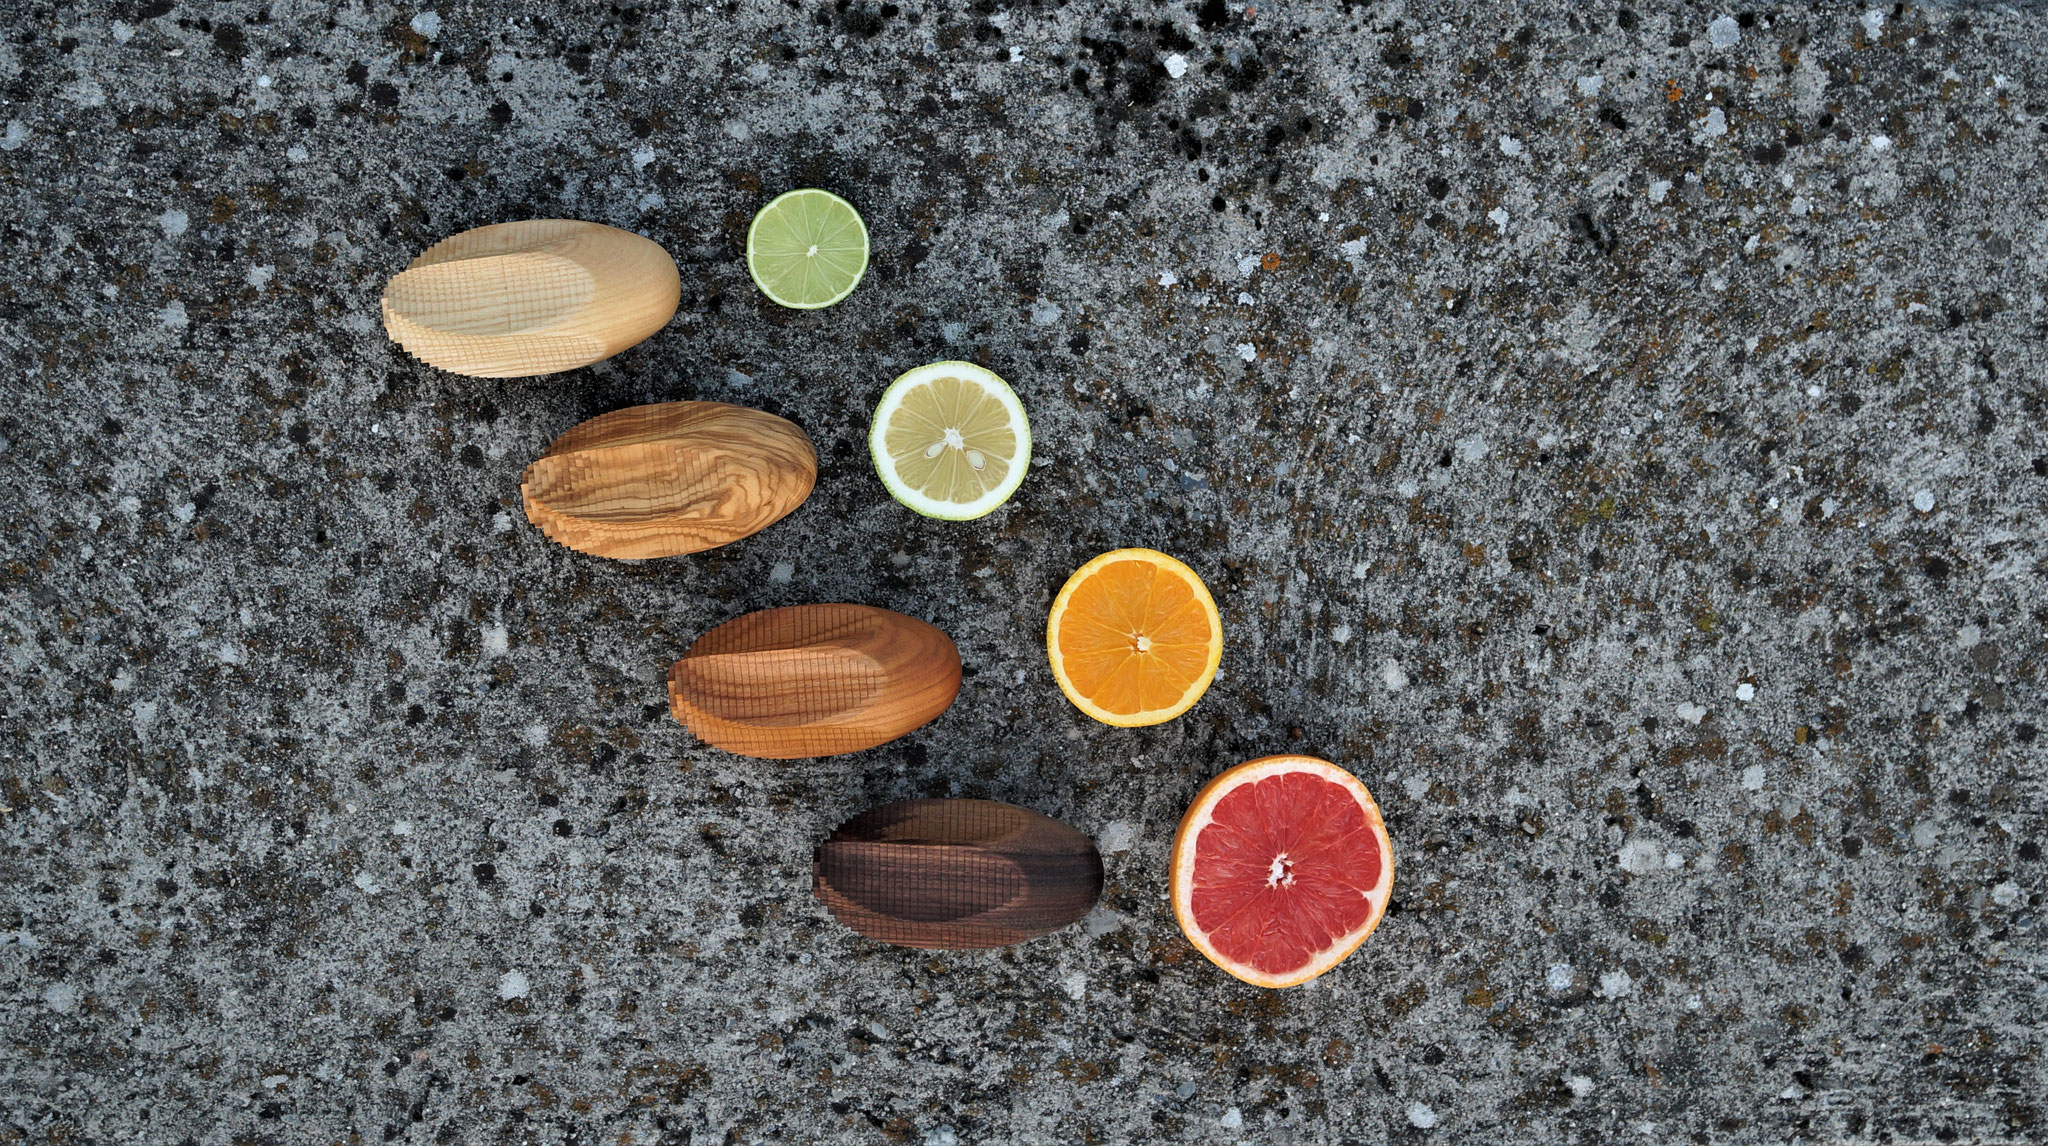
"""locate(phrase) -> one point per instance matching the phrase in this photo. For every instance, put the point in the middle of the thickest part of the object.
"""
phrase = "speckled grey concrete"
(1614, 434)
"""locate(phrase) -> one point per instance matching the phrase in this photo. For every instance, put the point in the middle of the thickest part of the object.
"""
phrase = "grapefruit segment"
(1281, 868)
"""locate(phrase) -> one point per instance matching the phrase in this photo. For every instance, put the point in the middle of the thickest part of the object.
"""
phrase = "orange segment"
(1134, 638)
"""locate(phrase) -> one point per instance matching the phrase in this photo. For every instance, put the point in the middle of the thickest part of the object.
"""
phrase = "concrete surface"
(1613, 433)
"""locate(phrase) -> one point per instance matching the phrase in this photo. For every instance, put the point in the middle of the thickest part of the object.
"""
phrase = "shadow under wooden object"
(958, 874)
(667, 479)
(813, 680)
(533, 297)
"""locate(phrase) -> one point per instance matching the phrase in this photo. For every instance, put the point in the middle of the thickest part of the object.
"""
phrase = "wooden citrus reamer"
(532, 297)
(813, 680)
(667, 479)
(956, 874)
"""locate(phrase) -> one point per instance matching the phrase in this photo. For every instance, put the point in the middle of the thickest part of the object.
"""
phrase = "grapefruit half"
(1281, 868)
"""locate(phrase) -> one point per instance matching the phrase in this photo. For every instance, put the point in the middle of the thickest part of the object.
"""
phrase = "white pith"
(1281, 874)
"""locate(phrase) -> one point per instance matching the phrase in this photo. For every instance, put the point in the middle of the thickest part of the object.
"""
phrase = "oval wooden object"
(671, 478)
(956, 874)
(813, 680)
(532, 297)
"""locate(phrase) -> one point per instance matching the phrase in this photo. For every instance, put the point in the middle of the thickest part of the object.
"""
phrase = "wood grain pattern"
(959, 874)
(667, 479)
(532, 297)
(813, 680)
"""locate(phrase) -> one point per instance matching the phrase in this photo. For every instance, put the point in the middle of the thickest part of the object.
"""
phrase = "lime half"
(950, 440)
(807, 249)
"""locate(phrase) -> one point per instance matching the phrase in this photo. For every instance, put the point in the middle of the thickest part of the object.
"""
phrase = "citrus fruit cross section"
(1280, 869)
(950, 440)
(807, 249)
(1134, 638)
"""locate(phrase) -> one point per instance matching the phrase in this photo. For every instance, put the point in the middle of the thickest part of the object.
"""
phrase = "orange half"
(1134, 638)
(1280, 869)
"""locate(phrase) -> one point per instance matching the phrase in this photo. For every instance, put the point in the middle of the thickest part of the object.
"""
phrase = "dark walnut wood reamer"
(667, 479)
(813, 680)
(958, 874)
